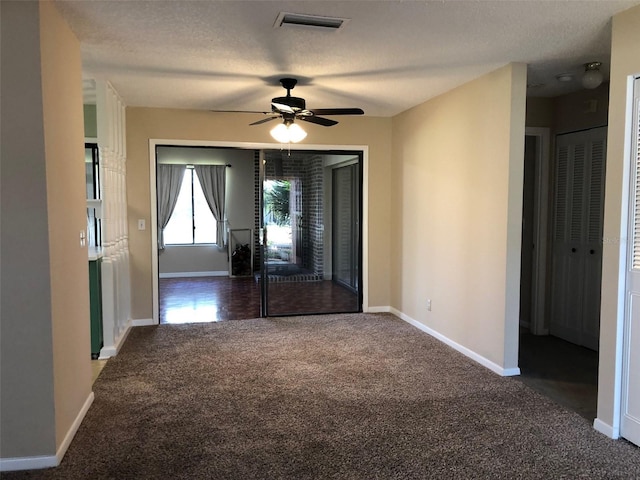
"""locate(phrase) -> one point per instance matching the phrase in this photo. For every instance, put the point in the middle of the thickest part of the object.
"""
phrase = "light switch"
(83, 238)
(141, 224)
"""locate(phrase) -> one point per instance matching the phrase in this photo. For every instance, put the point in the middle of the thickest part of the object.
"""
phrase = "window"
(191, 222)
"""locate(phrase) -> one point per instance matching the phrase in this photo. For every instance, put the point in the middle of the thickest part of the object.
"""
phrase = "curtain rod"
(188, 165)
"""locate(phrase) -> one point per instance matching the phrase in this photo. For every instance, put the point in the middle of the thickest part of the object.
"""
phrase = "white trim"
(90, 139)
(626, 223)
(386, 309)
(485, 362)
(28, 463)
(48, 461)
(143, 322)
(216, 273)
(606, 429)
(625, 213)
(64, 446)
(112, 350)
(154, 142)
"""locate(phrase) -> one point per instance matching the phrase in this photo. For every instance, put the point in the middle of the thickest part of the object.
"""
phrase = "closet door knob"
(592, 252)
(574, 249)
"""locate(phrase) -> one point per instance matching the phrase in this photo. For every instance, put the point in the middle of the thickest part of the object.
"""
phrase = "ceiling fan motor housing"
(296, 103)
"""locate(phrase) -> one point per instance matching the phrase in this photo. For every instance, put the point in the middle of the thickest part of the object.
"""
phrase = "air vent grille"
(303, 20)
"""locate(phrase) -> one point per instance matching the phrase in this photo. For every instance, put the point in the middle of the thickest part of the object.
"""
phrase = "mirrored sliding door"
(311, 251)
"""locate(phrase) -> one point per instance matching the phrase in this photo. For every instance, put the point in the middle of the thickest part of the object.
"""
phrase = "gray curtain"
(169, 180)
(212, 179)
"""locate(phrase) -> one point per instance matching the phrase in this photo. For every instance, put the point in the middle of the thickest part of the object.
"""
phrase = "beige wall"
(45, 357)
(150, 123)
(26, 358)
(458, 162)
(625, 61)
(581, 110)
(66, 198)
(90, 121)
(540, 112)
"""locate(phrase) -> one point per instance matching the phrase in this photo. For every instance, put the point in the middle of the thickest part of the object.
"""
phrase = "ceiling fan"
(290, 108)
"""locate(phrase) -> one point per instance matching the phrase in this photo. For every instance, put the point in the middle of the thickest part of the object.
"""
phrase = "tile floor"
(208, 299)
(96, 368)
(565, 372)
(214, 299)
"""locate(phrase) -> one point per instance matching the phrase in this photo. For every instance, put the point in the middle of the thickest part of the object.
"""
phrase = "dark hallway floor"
(565, 372)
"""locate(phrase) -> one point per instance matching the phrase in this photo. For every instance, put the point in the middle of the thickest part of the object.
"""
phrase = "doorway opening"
(559, 367)
(202, 282)
(311, 231)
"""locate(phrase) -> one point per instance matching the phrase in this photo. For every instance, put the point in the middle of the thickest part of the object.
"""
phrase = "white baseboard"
(109, 351)
(74, 427)
(606, 429)
(28, 463)
(48, 461)
(485, 362)
(216, 273)
(143, 322)
(386, 309)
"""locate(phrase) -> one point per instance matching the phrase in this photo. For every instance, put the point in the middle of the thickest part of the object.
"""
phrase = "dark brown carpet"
(358, 396)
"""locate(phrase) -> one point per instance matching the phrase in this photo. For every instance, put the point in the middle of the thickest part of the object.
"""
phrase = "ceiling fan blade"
(325, 122)
(338, 111)
(281, 107)
(264, 120)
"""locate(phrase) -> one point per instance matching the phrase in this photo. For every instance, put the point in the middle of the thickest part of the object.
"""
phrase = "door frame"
(332, 158)
(155, 142)
(624, 347)
(541, 231)
(617, 371)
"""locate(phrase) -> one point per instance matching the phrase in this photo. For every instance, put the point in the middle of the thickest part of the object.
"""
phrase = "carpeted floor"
(358, 396)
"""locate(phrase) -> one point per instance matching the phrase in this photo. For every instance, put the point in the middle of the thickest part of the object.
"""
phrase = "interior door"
(577, 233)
(297, 246)
(630, 421)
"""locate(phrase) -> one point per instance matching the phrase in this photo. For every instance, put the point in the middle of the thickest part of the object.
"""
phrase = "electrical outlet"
(429, 304)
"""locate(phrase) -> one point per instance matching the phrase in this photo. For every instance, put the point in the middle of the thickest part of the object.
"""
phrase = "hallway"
(565, 372)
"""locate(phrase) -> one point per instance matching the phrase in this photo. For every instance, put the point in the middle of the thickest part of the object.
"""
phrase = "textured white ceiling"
(392, 55)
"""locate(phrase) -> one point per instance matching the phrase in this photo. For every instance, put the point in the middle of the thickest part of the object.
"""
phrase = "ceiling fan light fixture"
(296, 133)
(592, 77)
(291, 133)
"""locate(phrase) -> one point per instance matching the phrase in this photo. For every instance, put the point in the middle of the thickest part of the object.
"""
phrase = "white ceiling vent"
(286, 19)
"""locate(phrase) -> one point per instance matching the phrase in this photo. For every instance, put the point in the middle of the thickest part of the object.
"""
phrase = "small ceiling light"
(564, 77)
(288, 133)
(592, 77)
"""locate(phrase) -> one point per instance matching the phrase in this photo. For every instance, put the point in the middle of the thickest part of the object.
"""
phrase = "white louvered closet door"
(577, 233)
(630, 421)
